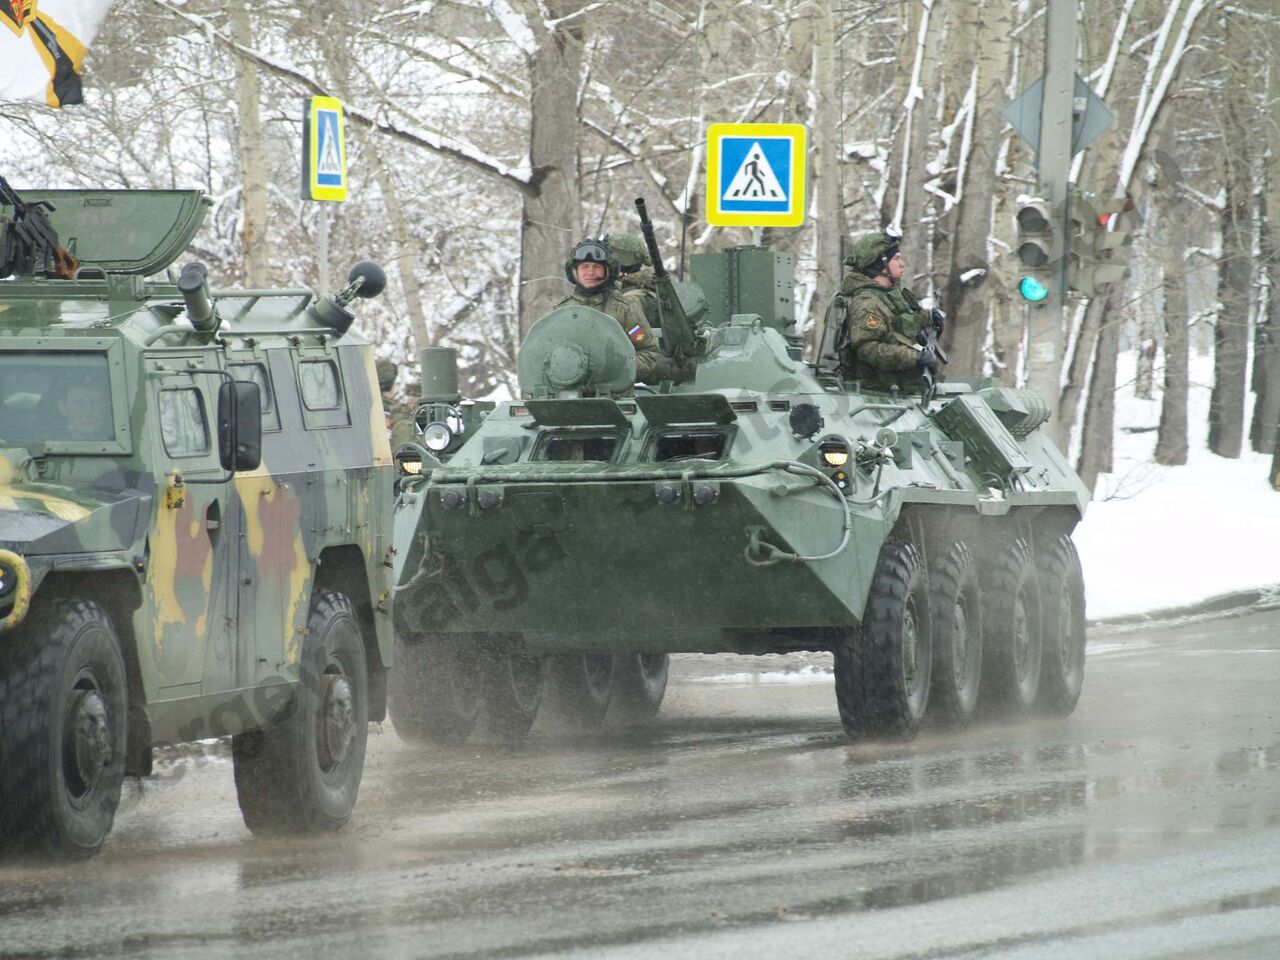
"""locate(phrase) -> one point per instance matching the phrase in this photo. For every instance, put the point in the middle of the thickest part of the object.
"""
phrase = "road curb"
(1223, 605)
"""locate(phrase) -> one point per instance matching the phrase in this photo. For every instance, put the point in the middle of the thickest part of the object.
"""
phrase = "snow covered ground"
(1157, 537)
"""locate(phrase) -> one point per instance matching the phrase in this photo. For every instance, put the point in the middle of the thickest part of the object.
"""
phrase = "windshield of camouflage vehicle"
(54, 396)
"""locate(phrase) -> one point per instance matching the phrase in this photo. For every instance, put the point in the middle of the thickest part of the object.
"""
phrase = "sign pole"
(324, 249)
(1044, 328)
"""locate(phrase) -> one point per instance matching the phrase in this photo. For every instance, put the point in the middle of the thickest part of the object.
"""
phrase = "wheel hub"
(960, 644)
(1021, 636)
(89, 734)
(910, 646)
(337, 720)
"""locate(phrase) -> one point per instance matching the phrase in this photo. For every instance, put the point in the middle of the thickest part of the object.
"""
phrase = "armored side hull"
(699, 555)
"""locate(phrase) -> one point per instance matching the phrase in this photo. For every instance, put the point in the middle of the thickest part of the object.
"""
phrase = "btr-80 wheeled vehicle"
(754, 503)
(195, 496)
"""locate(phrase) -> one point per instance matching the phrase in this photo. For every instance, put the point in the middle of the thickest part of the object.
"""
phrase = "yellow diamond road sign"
(324, 151)
(755, 174)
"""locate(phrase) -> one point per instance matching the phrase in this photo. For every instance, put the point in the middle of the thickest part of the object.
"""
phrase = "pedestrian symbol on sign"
(330, 164)
(755, 179)
(755, 174)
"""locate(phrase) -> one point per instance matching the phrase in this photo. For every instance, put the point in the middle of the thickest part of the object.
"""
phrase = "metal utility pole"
(1045, 321)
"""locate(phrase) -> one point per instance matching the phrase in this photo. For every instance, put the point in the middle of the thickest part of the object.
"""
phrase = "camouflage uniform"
(635, 274)
(399, 415)
(626, 310)
(883, 323)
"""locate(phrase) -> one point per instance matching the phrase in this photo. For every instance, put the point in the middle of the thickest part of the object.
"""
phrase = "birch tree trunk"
(1266, 411)
(1170, 237)
(552, 210)
(249, 145)
(829, 220)
(1235, 269)
(406, 255)
(968, 301)
(918, 118)
(1100, 412)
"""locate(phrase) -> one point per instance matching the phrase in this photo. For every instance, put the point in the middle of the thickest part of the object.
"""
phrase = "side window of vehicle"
(323, 401)
(319, 382)
(256, 372)
(184, 427)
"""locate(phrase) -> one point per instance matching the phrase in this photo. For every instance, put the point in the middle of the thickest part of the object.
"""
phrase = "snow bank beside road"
(1157, 537)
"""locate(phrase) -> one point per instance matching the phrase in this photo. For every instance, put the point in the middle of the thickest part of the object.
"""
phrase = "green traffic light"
(1032, 289)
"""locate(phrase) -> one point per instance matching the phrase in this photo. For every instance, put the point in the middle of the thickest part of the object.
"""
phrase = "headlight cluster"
(440, 425)
(834, 453)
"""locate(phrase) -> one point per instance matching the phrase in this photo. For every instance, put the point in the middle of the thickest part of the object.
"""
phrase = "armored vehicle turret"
(195, 495)
(570, 539)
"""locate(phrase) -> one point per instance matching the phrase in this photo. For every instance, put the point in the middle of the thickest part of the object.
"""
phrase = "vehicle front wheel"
(1062, 591)
(63, 718)
(955, 610)
(1012, 644)
(434, 689)
(301, 774)
(581, 687)
(639, 684)
(882, 670)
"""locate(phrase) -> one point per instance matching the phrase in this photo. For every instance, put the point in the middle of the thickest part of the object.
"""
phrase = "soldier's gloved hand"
(927, 358)
(938, 318)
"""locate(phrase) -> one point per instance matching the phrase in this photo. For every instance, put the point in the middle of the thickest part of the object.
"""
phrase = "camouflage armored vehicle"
(571, 539)
(195, 494)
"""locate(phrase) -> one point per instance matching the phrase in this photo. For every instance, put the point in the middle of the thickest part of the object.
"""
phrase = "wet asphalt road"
(740, 824)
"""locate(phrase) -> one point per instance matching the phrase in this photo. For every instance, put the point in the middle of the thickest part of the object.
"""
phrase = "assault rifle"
(28, 242)
(928, 340)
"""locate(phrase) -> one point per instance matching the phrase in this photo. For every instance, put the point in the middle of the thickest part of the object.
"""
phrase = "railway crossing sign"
(755, 174)
(324, 151)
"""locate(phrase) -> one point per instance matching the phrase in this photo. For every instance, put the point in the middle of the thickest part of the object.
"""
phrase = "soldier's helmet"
(629, 252)
(872, 251)
(591, 251)
(387, 370)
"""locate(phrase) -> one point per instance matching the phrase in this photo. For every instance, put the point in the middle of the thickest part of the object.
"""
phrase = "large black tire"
(580, 688)
(1062, 593)
(1012, 642)
(955, 611)
(639, 684)
(513, 682)
(434, 689)
(63, 730)
(301, 774)
(882, 671)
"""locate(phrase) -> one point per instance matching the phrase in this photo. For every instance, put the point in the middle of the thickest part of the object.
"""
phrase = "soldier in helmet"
(399, 418)
(595, 285)
(635, 273)
(885, 318)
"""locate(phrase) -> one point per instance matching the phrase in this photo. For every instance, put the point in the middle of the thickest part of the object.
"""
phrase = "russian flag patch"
(636, 333)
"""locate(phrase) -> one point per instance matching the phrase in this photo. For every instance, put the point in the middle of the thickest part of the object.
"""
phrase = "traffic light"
(1038, 248)
(1095, 240)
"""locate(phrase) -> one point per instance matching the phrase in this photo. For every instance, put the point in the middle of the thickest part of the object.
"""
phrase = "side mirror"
(239, 425)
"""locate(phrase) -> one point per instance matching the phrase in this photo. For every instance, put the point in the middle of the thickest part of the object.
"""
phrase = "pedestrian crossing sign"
(324, 151)
(755, 174)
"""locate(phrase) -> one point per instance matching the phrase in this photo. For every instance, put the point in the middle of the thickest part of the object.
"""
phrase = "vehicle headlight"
(437, 436)
(834, 453)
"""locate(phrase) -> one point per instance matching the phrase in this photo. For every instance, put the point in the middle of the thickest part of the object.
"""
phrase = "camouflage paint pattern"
(207, 577)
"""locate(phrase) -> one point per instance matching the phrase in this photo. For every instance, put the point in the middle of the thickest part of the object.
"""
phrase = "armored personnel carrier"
(755, 503)
(195, 496)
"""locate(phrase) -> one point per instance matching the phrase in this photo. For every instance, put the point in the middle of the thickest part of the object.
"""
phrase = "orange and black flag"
(42, 48)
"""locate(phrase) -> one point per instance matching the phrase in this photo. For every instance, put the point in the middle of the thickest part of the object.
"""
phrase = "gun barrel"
(650, 241)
